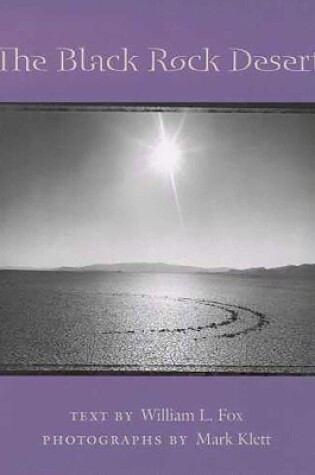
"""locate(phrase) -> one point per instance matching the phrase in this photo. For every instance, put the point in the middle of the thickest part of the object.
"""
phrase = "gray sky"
(77, 188)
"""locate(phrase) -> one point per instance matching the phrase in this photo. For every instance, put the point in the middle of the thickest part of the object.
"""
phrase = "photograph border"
(198, 107)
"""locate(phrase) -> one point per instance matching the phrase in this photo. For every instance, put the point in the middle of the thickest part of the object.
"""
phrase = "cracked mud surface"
(155, 322)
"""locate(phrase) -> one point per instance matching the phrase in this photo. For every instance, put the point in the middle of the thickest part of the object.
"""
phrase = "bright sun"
(166, 156)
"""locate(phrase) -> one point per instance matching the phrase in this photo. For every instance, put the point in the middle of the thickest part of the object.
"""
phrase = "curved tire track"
(234, 314)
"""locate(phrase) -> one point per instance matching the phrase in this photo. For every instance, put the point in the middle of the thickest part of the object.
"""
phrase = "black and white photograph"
(157, 240)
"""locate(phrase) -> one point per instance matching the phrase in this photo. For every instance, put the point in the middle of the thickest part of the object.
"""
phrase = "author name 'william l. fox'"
(159, 414)
(152, 59)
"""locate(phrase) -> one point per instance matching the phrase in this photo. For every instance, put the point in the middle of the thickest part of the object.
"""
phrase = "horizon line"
(156, 263)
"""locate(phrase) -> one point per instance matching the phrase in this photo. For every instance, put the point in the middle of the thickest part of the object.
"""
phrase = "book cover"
(157, 260)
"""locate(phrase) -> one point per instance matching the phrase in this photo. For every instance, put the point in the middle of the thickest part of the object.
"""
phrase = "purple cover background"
(268, 26)
(29, 405)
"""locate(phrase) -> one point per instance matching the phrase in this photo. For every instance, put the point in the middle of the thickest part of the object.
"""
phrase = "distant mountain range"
(144, 267)
(304, 271)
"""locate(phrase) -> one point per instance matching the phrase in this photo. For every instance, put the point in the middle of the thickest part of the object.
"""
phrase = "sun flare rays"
(166, 157)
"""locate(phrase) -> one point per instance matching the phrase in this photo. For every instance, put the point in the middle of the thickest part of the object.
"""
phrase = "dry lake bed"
(115, 321)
